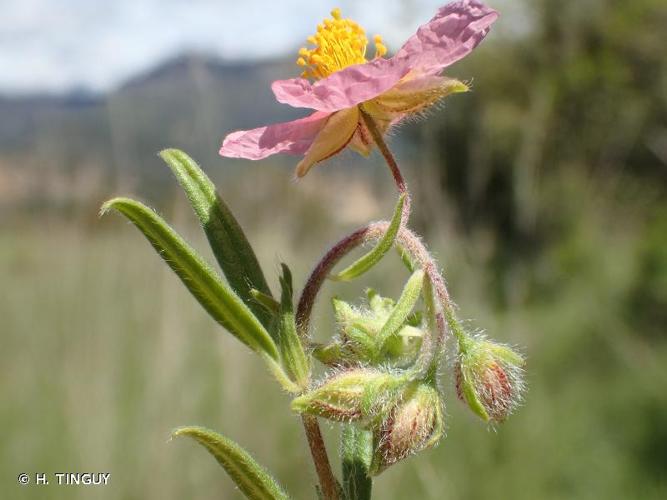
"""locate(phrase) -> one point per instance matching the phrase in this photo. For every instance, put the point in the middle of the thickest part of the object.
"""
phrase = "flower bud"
(413, 425)
(352, 395)
(358, 339)
(489, 379)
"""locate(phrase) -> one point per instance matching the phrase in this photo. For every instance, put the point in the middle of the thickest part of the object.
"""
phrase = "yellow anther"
(301, 62)
(380, 47)
(338, 43)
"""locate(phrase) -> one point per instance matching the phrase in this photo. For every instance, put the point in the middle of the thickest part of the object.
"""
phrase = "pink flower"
(346, 85)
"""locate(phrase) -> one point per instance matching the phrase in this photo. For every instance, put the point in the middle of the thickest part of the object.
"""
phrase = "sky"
(58, 45)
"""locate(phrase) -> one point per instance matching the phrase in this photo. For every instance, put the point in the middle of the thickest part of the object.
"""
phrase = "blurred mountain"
(188, 102)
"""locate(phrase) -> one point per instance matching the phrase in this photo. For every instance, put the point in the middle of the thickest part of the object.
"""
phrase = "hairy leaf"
(228, 242)
(251, 478)
(374, 256)
(291, 349)
(403, 309)
(199, 278)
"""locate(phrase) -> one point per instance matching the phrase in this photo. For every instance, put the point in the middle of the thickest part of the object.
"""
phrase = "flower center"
(338, 43)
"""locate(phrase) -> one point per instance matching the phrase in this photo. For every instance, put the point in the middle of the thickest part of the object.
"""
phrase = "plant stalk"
(328, 483)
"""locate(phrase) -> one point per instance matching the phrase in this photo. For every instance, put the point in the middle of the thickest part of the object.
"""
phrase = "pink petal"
(454, 31)
(345, 88)
(293, 137)
(333, 137)
(452, 34)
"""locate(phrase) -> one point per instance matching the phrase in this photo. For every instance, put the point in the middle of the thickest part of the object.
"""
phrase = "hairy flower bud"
(413, 425)
(489, 379)
(356, 394)
(359, 341)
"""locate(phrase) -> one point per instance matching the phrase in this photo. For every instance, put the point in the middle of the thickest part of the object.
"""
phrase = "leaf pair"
(234, 305)
(201, 280)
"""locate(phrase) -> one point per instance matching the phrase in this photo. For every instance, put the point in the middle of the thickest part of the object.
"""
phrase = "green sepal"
(366, 262)
(403, 308)
(329, 354)
(250, 477)
(473, 401)
(198, 277)
(293, 356)
(356, 455)
(506, 354)
(228, 242)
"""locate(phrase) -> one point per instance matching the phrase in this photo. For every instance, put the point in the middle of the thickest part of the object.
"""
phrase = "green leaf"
(329, 354)
(406, 258)
(403, 309)
(356, 454)
(291, 349)
(251, 478)
(199, 278)
(266, 301)
(228, 242)
(378, 251)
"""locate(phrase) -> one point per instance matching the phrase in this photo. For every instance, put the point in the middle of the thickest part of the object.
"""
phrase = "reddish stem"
(319, 452)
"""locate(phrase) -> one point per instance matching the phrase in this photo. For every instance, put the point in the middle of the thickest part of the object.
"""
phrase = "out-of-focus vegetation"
(542, 192)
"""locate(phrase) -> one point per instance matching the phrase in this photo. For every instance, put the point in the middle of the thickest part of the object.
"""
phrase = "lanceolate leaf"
(378, 251)
(251, 478)
(202, 281)
(293, 356)
(403, 308)
(228, 242)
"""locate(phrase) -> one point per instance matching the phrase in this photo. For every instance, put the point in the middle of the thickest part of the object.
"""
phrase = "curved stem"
(344, 246)
(320, 273)
(330, 489)
(319, 452)
(412, 245)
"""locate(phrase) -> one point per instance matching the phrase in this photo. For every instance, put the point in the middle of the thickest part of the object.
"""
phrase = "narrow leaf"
(228, 242)
(356, 454)
(378, 251)
(403, 309)
(291, 349)
(251, 478)
(202, 281)
(266, 301)
(406, 258)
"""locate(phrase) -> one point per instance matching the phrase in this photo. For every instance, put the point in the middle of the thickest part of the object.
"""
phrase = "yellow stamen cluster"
(338, 43)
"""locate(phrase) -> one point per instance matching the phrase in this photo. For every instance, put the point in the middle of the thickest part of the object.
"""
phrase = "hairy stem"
(410, 243)
(320, 273)
(415, 248)
(330, 489)
(344, 246)
(390, 160)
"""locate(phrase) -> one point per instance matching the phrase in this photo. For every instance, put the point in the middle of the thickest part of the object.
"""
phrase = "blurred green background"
(542, 193)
